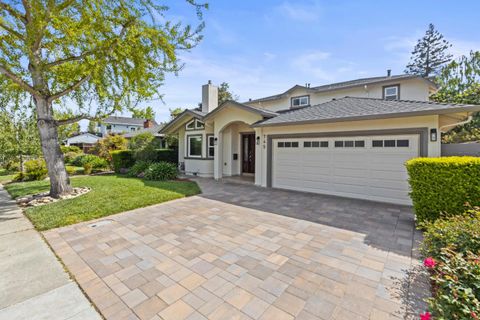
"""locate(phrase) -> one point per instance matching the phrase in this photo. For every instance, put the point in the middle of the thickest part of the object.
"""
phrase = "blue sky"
(264, 47)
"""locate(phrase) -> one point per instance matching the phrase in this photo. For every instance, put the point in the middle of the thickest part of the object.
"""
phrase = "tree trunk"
(59, 180)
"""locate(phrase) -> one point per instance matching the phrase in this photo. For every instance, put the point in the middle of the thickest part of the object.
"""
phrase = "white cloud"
(312, 63)
(300, 12)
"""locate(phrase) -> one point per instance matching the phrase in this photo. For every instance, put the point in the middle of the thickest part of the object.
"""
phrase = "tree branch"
(12, 76)
(69, 59)
(11, 31)
(71, 120)
(69, 89)
(13, 12)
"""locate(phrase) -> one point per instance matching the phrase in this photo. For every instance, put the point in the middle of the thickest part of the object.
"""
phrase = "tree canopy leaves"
(430, 54)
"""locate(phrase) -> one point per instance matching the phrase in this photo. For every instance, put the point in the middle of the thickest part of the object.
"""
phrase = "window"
(133, 129)
(349, 144)
(109, 126)
(323, 144)
(300, 101)
(195, 124)
(287, 144)
(389, 143)
(315, 144)
(307, 144)
(401, 143)
(210, 146)
(194, 146)
(190, 125)
(391, 92)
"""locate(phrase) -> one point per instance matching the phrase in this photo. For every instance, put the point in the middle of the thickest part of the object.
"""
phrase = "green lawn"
(5, 176)
(110, 194)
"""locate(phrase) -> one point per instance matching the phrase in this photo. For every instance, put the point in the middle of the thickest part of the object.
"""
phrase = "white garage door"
(370, 167)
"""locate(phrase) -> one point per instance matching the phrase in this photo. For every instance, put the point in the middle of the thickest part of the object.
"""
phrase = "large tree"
(430, 54)
(459, 82)
(146, 113)
(224, 93)
(99, 55)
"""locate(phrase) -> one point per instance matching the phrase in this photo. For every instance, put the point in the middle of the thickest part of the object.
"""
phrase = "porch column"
(259, 154)
(218, 158)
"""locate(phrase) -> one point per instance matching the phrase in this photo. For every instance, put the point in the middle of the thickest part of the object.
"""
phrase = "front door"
(248, 153)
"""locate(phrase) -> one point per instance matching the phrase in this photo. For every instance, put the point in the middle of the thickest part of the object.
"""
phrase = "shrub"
(70, 156)
(35, 170)
(122, 159)
(161, 171)
(66, 149)
(95, 161)
(456, 286)
(87, 168)
(142, 141)
(443, 186)
(19, 176)
(458, 233)
(104, 146)
(12, 166)
(139, 168)
(158, 155)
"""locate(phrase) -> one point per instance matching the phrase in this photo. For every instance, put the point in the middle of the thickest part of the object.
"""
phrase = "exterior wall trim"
(422, 132)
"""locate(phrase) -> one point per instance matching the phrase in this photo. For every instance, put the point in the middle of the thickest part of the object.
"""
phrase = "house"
(348, 139)
(120, 125)
(153, 129)
(84, 141)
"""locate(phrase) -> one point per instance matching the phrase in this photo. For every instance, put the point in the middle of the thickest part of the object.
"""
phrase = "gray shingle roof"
(154, 130)
(125, 120)
(350, 108)
(343, 85)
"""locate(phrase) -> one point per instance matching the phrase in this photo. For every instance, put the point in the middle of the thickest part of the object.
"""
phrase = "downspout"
(456, 124)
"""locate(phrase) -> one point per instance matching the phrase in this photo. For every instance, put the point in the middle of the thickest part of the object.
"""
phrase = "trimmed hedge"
(158, 155)
(443, 186)
(122, 159)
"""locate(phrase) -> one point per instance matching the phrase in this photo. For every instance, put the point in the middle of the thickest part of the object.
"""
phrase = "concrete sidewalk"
(33, 284)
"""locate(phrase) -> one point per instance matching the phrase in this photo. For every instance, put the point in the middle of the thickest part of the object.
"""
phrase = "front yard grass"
(5, 176)
(110, 194)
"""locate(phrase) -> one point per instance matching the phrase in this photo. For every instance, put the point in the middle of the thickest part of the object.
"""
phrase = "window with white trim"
(391, 92)
(300, 101)
(210, 146)
(194, 146)
(195, 124)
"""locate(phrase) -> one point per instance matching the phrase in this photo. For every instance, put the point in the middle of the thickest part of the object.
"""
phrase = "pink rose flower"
(429, 262)
(426, 316)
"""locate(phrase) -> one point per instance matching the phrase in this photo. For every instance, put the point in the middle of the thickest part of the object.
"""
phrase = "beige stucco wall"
(434, 148)
(413, 89)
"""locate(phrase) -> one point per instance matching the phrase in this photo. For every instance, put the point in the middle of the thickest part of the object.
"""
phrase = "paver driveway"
(241, 252)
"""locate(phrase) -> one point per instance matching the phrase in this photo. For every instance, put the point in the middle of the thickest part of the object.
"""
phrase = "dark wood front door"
(248, 153)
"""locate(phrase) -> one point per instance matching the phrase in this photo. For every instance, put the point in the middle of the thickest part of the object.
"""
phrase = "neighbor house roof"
(345, 85)
(83, 137)
(125, 121)
(155, 130)
(351, 108)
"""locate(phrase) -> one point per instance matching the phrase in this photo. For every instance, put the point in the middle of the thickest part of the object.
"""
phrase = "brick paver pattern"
(200, 258)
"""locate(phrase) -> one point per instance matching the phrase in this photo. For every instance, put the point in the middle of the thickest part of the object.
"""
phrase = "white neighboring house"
(121, 125)
(84, 141)
(348, 139)
(153, 129)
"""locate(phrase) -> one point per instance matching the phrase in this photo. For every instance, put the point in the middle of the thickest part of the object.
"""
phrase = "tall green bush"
(35, 170)
(443, 186)
(122, 159)
(157, 155)
(161, 171)
(95, 161)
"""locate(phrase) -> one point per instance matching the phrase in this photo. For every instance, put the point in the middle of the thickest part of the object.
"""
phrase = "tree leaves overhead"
(430, 54)
(104, 55)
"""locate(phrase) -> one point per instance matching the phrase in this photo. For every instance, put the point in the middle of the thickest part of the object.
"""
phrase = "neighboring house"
(348, 139)
(120, 125)
(153, 129)
(84, 141)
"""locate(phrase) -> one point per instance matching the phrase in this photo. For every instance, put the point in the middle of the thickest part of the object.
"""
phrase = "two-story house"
(121, 125)
(348, 139)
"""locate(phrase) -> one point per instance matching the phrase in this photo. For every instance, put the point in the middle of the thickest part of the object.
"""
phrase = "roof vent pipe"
(389, 73)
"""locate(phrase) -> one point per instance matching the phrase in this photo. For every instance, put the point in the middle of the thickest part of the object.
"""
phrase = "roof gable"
(263, 112)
